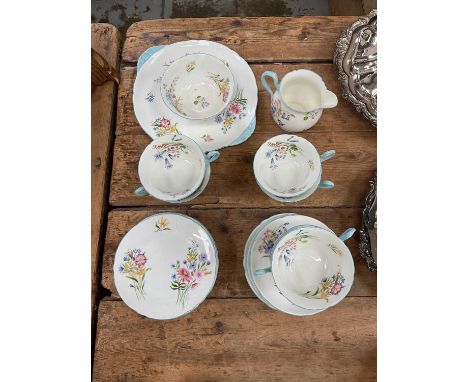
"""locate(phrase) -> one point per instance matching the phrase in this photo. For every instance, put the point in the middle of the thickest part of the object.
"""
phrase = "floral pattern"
(235, 111)
(335, 249)
(329, 286)
(285, 251)
(150, 97)
(311, 164)
(172, 97)
(188, 274)
(269, 239)
(170, 151)
(311, 115)
(163, 126)
(162, 224)
(279, 150)
(202, 101)
(278, 114)
(223, 84)
(134, 268)
(190, 66)
(207, 138)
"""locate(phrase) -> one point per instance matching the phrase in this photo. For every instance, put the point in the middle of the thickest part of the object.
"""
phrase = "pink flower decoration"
(194, 285)
(165, 123)
(198, 274)
(140, 260)
(184, 275)
(236, 108)
(336, 288)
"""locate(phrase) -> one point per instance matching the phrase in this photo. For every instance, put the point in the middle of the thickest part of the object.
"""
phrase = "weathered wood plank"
(232, 182)
(342, 118)
(257, 39)
(105, 39)
(230, 230)
(238, 340)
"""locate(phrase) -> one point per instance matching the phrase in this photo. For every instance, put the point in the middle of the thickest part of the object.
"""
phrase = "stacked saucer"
(297, 265)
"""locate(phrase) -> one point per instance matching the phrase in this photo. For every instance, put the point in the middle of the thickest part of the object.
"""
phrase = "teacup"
(299, 99)
(289, 167)
(173, 168)
(197, 86)
(312, 267)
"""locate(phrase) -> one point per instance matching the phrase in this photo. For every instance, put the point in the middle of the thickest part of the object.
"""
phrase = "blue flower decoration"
(173, 276)
(120, 269)
(219, 118)
(203, 257)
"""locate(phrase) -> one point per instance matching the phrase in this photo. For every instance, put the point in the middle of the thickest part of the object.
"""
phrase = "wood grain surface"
(238, 340)
(230, 229)
(105, 39)
(256, 39)
(233, 336)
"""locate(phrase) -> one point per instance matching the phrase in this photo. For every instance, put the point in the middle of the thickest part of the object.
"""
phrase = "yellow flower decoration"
(162, 224)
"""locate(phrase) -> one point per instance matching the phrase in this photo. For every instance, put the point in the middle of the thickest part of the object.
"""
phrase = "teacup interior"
(197, 86)
(289, 175)
(301, 91)
(177, 180)
(306, 269)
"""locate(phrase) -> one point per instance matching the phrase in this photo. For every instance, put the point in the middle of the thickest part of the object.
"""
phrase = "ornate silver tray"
(356, 60)
(368, 232)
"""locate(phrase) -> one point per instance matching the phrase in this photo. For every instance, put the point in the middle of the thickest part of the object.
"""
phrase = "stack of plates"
(257, 253)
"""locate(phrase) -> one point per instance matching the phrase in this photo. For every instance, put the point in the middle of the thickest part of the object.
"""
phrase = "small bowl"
(312, 267)
(197, 86)
(288, 166)
(172, 168)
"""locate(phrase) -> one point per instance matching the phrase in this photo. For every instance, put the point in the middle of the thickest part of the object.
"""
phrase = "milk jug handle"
(273, 75)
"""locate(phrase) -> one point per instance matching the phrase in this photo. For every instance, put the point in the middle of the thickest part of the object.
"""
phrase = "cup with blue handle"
(173, 168)
(289, 168)
(312, 267)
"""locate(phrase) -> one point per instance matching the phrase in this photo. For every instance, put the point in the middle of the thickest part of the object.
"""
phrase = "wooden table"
(233, 336)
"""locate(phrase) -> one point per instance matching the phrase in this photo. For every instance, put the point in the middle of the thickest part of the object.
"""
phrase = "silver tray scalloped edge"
(356, 61)
(369, 223)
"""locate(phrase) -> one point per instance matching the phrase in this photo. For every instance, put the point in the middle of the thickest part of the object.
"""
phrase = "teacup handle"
(327, 155)
(273, 75)
(211, 156)
(347, 234)
(327, 184)
(264, 271)
(140, 191)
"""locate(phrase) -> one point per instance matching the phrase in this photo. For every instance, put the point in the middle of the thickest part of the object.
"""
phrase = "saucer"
(256, 256)
(165, 266)
(232, 126)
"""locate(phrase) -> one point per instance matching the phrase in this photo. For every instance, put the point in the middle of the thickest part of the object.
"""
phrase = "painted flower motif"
(279, 115)
(286, 250)
(150, 97)
(335, 249)
(162, 224)
(171, 96)
(189, 277)
(170, 151)
(311, 164)
(190, 66)
(184, 275)
(332, 285)
(223, 84)
(311, 115)
(200, 100)
(163, 126)
(279, 150)
(269, 239)
(134, 268)
(207, 138)
(140, 260)
(235, 111)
